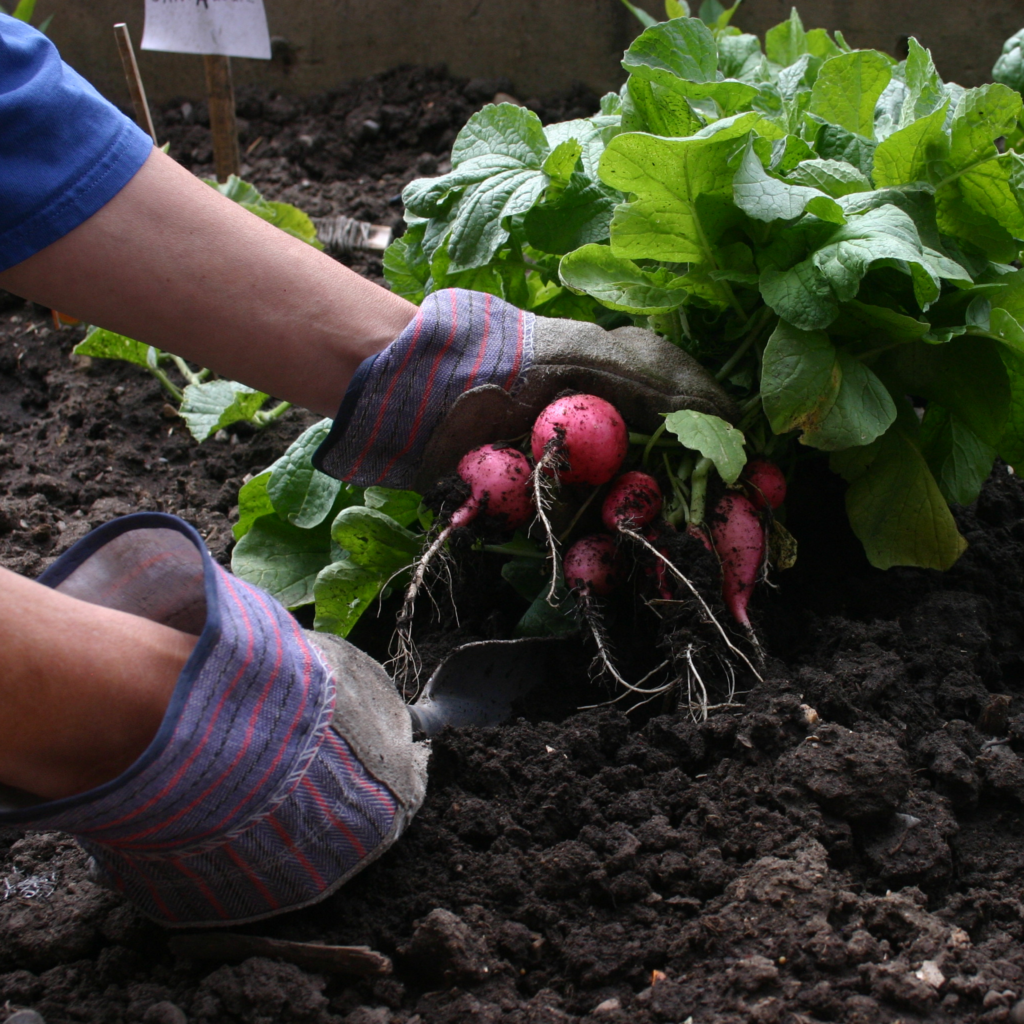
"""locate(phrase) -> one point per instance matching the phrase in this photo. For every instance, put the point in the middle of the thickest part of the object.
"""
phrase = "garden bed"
(845, 846)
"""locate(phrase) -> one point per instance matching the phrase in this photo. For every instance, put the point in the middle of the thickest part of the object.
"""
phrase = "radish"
(632, 502)
(499, 482)
(739, 540)
(578, 439)
(582, 438)
(699, 534)
(593, 566)
(664, 564)
(765, 483)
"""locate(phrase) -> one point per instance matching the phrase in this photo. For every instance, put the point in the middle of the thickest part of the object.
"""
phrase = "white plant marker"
(219, 30)
(230, 28)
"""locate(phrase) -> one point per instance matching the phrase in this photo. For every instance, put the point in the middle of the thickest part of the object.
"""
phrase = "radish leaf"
(959, 460)
(857, 207)
(863, 409)
(710, 435)
(620, 283)
(282, 559)
(300, 494)
(833, 177)
(967, 376)
(800, 380)
(895, 506)
(763, 197)
(848, 87)
(1009, 68)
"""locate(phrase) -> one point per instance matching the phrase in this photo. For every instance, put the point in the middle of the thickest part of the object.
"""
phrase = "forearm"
(83, 688)
(172, 263)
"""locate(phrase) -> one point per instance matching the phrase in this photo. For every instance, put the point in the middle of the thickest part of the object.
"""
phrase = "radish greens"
(831, 232)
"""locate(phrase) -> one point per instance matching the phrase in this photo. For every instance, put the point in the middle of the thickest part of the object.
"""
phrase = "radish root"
(552, 459)
(593, 619)
(640, 539)
(405, 659)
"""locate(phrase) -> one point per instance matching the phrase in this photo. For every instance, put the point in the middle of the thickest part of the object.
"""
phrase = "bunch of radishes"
(583, 440)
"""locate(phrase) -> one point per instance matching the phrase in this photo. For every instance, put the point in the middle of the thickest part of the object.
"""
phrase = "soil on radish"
(845, 846)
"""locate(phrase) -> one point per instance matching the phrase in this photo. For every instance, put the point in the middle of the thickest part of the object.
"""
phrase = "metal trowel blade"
(478, 683)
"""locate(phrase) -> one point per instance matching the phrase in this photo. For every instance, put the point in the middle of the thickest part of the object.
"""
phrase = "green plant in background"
(208, 405)
(25, 10)
(1009, 68)
(828, 230)
(712, 13)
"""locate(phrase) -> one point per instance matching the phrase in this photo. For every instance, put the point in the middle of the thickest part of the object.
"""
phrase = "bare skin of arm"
(172, 263)
(83, 689)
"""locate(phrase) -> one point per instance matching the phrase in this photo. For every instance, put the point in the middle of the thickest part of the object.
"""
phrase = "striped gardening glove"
(471, 369)
(285, 761)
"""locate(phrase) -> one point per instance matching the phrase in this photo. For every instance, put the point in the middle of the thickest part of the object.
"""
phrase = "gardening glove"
(284, 764)
(471, 369)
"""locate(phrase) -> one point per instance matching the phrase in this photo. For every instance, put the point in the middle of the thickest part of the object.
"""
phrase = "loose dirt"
(844, 846)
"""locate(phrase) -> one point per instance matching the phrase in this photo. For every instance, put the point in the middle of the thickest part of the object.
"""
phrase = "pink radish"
(632, 502)
(592, 566)
(739, 541)
(579, 439)
(499, 481)
(582, 438)
(765, 483)
(700, 534)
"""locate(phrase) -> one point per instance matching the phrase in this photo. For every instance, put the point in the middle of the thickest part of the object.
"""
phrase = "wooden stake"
(357, 960)
(135, 86)
(221, 94)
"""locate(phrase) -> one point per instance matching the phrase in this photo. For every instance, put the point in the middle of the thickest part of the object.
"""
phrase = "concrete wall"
(541, 45)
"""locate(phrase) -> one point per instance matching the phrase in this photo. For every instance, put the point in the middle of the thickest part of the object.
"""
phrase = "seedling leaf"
(101, 344)
(215, 404)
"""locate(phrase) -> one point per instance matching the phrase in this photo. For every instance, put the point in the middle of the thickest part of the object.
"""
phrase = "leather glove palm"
(471, 369)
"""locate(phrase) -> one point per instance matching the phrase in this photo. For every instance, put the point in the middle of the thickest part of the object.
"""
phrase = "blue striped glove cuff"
(458, 340)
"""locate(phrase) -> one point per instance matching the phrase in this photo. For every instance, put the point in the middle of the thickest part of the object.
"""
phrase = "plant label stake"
(220, 92)
(218, 30)
(131, 74)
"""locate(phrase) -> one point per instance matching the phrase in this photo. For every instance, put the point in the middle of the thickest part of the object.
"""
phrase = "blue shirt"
(64, 150)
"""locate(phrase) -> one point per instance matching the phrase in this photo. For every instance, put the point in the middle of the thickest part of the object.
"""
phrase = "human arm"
(172, 263)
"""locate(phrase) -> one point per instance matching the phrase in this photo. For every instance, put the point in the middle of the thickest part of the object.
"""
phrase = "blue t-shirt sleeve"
(64, 150)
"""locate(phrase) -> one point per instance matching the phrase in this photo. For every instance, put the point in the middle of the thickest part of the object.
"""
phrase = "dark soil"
(844, 846)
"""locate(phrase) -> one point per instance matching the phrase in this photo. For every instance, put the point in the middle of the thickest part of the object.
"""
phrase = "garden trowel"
(478, 683)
